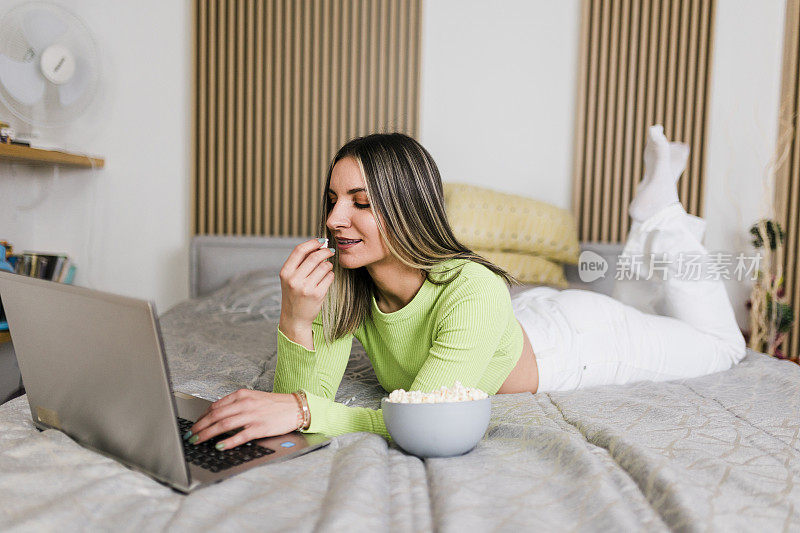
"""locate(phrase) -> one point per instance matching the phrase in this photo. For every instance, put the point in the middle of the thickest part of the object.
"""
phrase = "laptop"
(93, 365)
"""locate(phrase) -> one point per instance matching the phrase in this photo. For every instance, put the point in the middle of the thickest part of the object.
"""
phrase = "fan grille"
(25, 32)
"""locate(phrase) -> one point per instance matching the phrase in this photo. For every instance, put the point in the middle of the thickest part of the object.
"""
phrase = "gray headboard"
(216, 259)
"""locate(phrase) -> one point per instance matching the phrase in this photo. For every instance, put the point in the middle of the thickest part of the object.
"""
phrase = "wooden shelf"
(5, 337)
(37, 156)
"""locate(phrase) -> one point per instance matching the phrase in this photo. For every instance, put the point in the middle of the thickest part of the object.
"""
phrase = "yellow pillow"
(491, 220)
(528, 268)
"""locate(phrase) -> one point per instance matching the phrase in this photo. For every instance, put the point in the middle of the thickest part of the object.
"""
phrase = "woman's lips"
(342, 246)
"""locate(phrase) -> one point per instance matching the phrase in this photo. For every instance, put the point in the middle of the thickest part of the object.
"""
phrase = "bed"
(720, 452)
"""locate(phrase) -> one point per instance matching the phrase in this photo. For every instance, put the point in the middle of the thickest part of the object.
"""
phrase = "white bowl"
(437, 429)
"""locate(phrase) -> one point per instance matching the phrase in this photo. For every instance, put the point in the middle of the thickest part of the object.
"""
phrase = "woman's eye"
(332, 202)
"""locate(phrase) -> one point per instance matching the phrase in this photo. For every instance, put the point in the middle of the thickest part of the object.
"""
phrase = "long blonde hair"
(404, 188)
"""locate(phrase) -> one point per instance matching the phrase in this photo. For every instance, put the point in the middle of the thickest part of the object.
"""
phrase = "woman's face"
(350, 218)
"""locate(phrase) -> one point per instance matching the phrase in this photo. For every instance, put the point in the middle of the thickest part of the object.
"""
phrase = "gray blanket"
(721, 452)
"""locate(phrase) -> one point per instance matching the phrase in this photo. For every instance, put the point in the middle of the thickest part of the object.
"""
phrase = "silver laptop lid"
(93, 366)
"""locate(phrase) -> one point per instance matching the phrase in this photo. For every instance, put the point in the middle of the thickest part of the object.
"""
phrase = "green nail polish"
(220, 446)
(322, 241)
(194, 439)
(187, 434)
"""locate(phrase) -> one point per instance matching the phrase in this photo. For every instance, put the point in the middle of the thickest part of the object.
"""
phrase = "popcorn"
(458, 393)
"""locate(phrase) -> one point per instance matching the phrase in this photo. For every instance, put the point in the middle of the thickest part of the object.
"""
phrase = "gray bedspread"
(719, 453)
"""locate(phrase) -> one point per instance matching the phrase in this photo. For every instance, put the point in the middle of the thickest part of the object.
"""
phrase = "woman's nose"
(337, 217)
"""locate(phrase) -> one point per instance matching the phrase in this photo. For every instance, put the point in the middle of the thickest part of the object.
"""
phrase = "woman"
(429, 311)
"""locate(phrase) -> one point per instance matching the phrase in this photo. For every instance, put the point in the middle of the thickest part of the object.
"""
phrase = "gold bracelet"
(302, 401)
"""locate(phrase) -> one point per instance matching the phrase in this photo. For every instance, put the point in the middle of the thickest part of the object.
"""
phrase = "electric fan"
(49, 65)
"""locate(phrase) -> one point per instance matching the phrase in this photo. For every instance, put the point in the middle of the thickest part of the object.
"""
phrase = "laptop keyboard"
(206, 456)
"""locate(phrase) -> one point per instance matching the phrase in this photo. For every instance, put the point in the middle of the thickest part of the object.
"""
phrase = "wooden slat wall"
(787, 190)
(642, 62)
(280, 86)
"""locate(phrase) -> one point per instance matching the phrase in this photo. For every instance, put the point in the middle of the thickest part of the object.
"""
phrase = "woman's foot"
(664, 162)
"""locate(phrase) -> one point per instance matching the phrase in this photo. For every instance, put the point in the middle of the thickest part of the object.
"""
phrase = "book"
(34, 266)
(23, 265)
(58, 267)
(52, 267)
(70, 275)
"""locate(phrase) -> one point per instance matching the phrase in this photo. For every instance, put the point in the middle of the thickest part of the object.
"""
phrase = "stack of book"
(53, 267)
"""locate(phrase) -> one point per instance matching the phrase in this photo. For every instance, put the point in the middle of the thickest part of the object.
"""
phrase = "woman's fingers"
(223, 425)
(312, 262)
(299, 253)
(325, 283)
(216, 413)
(318, 273)
(245, 435)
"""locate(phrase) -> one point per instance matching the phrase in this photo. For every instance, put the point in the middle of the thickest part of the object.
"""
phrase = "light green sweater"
(464, 330)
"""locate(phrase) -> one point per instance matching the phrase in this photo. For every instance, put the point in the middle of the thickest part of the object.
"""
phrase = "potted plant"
(770, 315)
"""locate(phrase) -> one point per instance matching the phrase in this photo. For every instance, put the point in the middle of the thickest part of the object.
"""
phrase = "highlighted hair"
(404, 188)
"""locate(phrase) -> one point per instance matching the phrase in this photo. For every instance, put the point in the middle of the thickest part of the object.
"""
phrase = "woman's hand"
(259, 414)
(305, 279)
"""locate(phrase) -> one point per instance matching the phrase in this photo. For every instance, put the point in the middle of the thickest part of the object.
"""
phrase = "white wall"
(498, 108)
(743, 125)
(498, 87)
(126, 226)
(498, 104)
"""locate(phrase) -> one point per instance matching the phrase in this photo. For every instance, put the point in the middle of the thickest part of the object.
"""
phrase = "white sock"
(664, 162)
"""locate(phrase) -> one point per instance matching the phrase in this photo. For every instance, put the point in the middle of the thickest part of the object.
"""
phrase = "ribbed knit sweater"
(464, 330)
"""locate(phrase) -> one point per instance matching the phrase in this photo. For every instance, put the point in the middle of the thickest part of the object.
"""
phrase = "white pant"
(584, 339)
